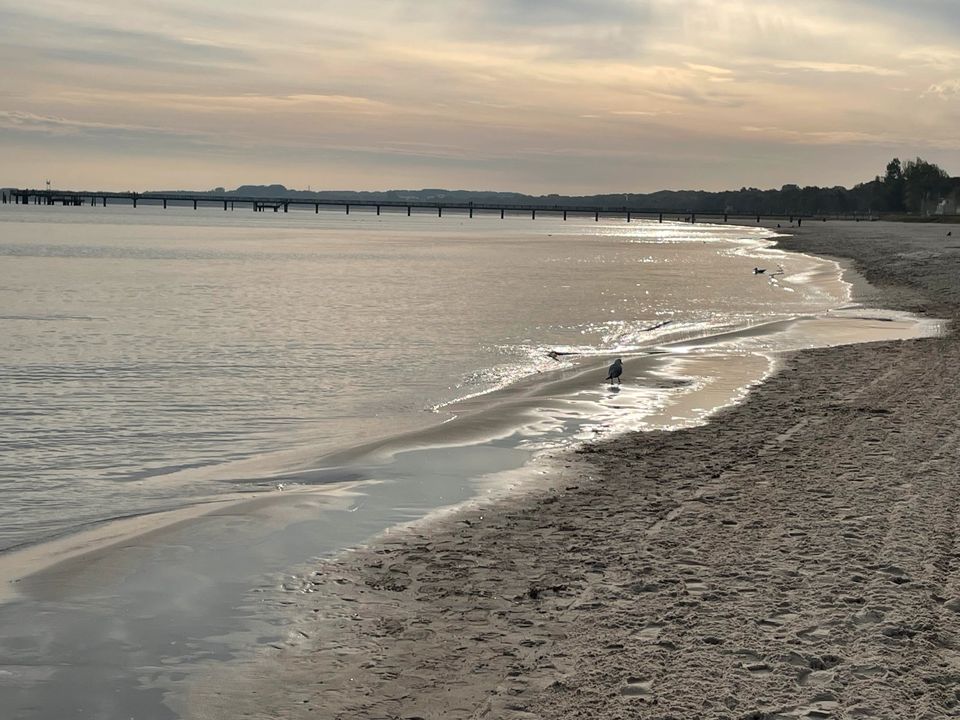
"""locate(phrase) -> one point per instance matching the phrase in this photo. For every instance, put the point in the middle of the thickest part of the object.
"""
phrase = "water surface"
(146, 350)
(342, 375)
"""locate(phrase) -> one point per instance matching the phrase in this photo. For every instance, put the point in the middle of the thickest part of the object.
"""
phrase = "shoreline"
(797, 597)
(487, 419)
(497, 415)
(305, 448)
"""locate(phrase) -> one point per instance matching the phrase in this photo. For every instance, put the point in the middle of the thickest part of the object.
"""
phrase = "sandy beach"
(796, 557)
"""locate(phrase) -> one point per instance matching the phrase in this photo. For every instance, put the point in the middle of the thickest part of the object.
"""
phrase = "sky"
(536, 96)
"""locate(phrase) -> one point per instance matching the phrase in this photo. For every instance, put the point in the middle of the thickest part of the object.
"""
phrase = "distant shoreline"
(914, 188)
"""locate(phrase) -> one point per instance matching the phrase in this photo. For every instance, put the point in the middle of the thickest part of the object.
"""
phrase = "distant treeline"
(915, 187)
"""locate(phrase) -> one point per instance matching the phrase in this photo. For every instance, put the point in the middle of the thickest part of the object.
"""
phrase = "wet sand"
(795, 557)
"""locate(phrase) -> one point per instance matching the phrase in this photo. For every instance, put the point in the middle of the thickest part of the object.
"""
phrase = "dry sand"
(797, 557)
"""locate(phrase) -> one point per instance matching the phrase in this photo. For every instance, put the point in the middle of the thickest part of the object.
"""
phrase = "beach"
(500, 360)
(794, 557)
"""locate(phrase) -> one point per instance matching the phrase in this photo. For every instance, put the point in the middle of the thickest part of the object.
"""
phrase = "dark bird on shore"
(949, 233)
(615, 371)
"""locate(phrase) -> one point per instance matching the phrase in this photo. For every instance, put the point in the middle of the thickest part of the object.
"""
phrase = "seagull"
(615, 371)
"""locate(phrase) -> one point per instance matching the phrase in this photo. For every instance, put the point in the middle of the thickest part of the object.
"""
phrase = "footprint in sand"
(650, 632)
(817, 710)
(815, 678)
(865, 672)
(867, 617)
(778, 620)
(896, 574)
(637, 687)
(817, 632)
(753, 663)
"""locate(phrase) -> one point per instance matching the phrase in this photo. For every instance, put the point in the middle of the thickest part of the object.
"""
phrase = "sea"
(198, 407)
(147, 356)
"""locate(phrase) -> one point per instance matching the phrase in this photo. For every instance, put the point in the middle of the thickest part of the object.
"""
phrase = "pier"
(76, 198)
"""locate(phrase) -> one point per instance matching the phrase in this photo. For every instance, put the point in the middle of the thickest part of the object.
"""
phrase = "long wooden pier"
(283, 204)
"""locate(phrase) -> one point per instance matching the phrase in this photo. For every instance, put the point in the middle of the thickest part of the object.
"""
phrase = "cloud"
(936, 57)
(15, 121)
(836, 67)
(553, 13)
(823, 137)
(710, 69)
(944, 90)
(75, 41)
(433, 83)
(30, 122)
(639, 113)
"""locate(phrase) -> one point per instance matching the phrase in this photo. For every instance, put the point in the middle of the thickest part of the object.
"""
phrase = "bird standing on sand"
(615, 371)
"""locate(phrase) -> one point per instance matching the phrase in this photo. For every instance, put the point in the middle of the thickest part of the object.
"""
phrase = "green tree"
(893, 183)
(924, 185)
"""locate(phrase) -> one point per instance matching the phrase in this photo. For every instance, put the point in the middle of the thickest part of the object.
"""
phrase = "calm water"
(148, 355)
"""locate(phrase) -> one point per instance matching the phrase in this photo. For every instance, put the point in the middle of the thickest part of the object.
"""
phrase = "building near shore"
(949, 204)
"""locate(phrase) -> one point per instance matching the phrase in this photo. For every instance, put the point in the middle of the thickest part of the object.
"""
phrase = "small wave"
(53, 318)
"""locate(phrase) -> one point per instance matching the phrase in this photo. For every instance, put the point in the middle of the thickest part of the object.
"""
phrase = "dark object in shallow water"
(615, 371)
(759, 271)
(657, 326)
